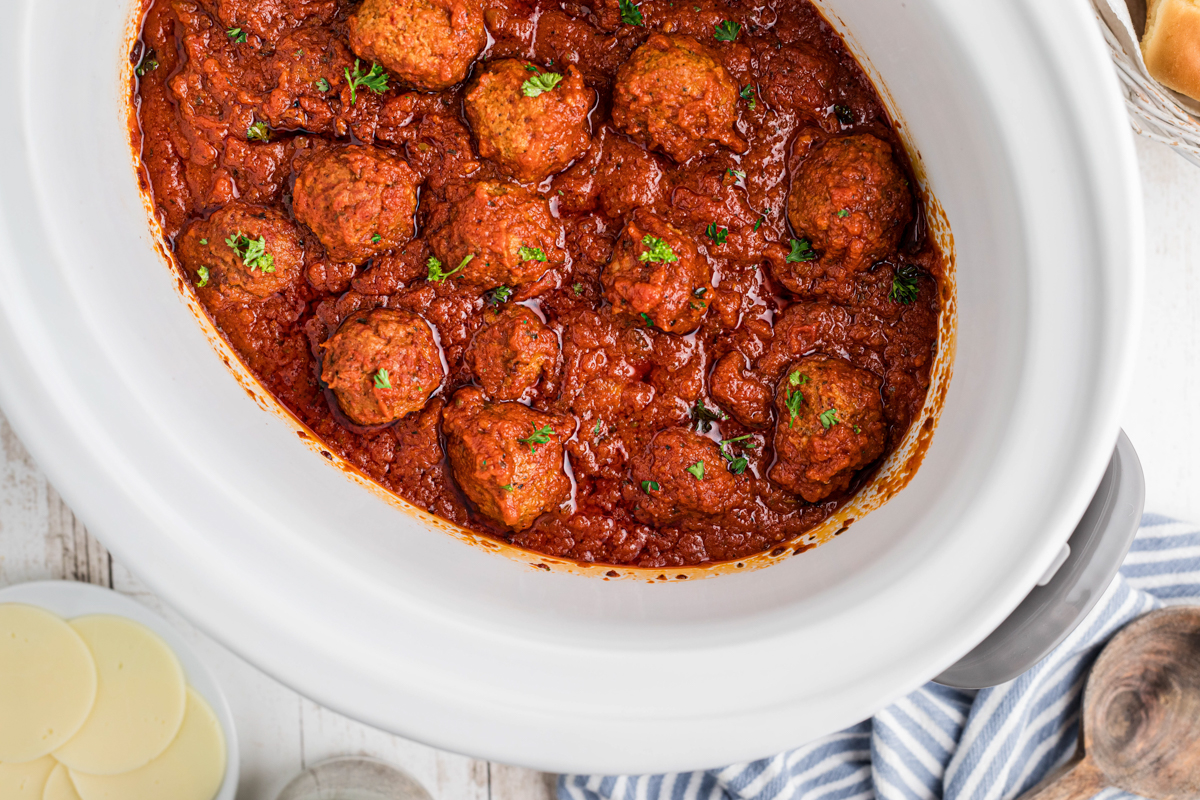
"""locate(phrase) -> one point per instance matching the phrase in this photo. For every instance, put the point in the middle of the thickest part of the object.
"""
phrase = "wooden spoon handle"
(1079, 779)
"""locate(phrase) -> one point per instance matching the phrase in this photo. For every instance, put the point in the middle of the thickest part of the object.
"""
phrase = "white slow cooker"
(1012, 111)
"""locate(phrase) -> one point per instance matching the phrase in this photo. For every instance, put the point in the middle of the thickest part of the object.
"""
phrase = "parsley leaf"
(542, 82)
(540, 436)
(794, 399)
(844, 115)
(376, 238)
(499, 295)
(843, 213)
(376, 80)
(531, 253)
(252, 251)
(737, 465)
(204, 241)
(578, 287)
(829, 418)
(436, 275)
(323, 85)
(237, 34)
(646, 318)
(630, 13)
(904, 284)
(726, 31)
(258, 132)
(718, 235)
(657, 250)
(801, 251)
(697, 470)
(508, 487)
(203, 273)
(747, 93)
(736, 173)
(649, 486)
(381, 380)
(149, 63)
(704, 417)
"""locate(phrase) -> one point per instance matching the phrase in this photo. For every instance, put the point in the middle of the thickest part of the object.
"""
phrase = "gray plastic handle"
(1062, 599)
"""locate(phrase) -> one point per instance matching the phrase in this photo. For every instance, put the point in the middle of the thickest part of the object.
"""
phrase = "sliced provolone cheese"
(25, 781)
(191, 768)
(140, 698)
(59, 786)
(47, 682)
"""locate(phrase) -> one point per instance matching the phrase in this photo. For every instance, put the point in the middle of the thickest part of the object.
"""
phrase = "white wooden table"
(280, 732)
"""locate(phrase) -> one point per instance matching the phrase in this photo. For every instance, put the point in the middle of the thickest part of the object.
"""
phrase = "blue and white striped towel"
(944, 743)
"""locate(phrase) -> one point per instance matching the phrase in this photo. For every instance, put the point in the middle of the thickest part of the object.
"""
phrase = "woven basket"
(1154, 111)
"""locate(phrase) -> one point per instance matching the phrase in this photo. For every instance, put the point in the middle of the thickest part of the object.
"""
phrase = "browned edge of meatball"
(243, 251)
(506, 457)
(657, 276)
(382, 365)
(829, 425)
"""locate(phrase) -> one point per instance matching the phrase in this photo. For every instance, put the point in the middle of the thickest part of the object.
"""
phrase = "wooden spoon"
(1141, 715)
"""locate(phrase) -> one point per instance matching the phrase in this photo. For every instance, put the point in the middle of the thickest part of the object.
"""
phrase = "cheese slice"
(59, 786)
(47, 682)
(191, 768)
(139, 699)
(25, 781)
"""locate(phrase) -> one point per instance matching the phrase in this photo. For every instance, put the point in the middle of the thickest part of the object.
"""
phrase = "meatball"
(359, 200)
(427, 44)
(304, 63)
(528, 137)
(270, 19)
(510, 353)
(244, 251)
(681, 474)
(829, 426)
(506, 457)
(851, 201)
(674, 95)
(657, 276)
(742, 395)
(381, 365)
(507, 233)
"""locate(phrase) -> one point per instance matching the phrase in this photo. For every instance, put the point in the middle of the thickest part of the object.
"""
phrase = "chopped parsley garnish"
(381, 380)
(499, 295)
(203, 273)
(630, 13)
(540, 436)
(801, 251)
(726, 31)
(149, 63)
(508, 487)
(656, 250)
(578, 287)
(323, 85)
(762, 218)
(747, 93)
(695, 307)
(596, 430)
(699, 291)
(718, 235)
(737, 465)
(795, 399)
(843, 213)
(697, 470)
(252, 251)
(646, 318)
(237, 34)
(736, 173)
(436, 275)
(829, 418)
(904, 284)
(540, 82)
(531, 253)
(857, 429)
(376, 238)
(649, 486)
(204, 241)
(376, 80)
(258, 132)
(844, 115)
(704, 416)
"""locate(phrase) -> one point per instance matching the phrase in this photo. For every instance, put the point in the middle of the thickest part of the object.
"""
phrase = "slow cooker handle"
(1071, 587)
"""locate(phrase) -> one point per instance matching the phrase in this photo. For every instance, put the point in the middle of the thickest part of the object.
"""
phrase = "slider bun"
(1171, 44)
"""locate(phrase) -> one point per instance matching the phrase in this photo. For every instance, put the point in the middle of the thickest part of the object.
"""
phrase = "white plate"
(70, 599)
